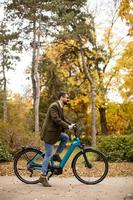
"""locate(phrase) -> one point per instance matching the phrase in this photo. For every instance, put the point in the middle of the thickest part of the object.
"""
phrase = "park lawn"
(115, 168)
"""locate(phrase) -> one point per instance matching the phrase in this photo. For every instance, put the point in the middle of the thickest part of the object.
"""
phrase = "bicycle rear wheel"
(90, 166)
(27, 165)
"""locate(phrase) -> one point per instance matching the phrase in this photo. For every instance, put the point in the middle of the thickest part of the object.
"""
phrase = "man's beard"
(65, 103)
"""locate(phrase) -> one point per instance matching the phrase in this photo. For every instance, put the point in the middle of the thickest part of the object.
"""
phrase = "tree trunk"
(93, 114)
(5, 102)
(33, 64)
(4, 89)
(35, 77)
(37, 102)
(93, 95)
(103, 120)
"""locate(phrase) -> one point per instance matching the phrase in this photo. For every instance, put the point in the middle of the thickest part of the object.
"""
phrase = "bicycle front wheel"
(90, 166)
(27, 165)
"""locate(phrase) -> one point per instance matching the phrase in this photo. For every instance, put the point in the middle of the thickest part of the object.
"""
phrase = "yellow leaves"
(126, 60)
(131, 32)
(101, 101)
(54, 51)
(119, 117)
(125, 65)
(107, 35)
(126, 12)
(71, 81)
(6, 169)
(125, 9)
(80, 103)
(19, 109)
(127, 85)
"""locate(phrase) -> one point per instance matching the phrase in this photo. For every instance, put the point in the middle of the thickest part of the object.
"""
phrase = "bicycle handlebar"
(75, 129)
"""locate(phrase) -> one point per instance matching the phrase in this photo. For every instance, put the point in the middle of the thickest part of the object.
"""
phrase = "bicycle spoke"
(24, 167)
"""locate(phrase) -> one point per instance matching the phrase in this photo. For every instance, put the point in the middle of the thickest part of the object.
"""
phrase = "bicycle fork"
(87, 162)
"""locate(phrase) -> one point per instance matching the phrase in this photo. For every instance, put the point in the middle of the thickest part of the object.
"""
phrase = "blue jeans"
(48, 151)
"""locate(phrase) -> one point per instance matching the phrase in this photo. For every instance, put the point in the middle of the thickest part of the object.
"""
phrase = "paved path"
(66, 189)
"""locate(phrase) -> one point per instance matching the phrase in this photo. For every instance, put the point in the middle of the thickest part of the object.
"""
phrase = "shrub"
(4, 153)
(128, 131)
(14, 137)
(117, 148)
(86, 141)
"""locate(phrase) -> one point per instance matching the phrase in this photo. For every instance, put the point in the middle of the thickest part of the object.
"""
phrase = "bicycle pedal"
(31, 171)
(50, 176)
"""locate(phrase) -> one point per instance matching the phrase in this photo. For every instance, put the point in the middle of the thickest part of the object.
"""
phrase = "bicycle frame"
(86, 156)
(76, 143)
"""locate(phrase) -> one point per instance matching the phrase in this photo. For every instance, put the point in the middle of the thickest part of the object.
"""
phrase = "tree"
(70, 18)
(61, 70)
(106, 52)
(126, 60)
(126, 73)
(33, 21)
(50, 81)
(18, 128)
(9, 45)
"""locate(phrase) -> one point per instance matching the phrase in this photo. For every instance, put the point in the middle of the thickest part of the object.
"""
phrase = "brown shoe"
(44, 181)
(56, 157)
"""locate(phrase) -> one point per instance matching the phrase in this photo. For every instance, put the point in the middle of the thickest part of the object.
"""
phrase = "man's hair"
(61, 94)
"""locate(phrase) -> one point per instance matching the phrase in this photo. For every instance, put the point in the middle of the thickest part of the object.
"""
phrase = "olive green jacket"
(54, 124)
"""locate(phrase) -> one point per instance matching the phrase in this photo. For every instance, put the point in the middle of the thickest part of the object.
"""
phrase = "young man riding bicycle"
(53, 130)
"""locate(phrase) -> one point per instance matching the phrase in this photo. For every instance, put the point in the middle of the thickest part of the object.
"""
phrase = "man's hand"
(71, 126)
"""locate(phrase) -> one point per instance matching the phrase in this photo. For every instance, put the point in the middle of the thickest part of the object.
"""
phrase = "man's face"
(65, 99)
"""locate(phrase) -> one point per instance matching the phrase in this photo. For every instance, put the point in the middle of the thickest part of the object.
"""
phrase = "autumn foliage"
(74, 59)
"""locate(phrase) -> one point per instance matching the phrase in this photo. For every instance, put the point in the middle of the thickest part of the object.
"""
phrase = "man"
(53, 131)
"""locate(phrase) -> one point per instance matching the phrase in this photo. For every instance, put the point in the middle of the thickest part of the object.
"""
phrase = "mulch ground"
(115, 169)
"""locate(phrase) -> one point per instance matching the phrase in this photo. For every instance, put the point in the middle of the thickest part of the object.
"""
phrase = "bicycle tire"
(82, 176)
(19, 158)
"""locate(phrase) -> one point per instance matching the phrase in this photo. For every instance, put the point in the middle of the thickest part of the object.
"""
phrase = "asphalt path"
(115, 188)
